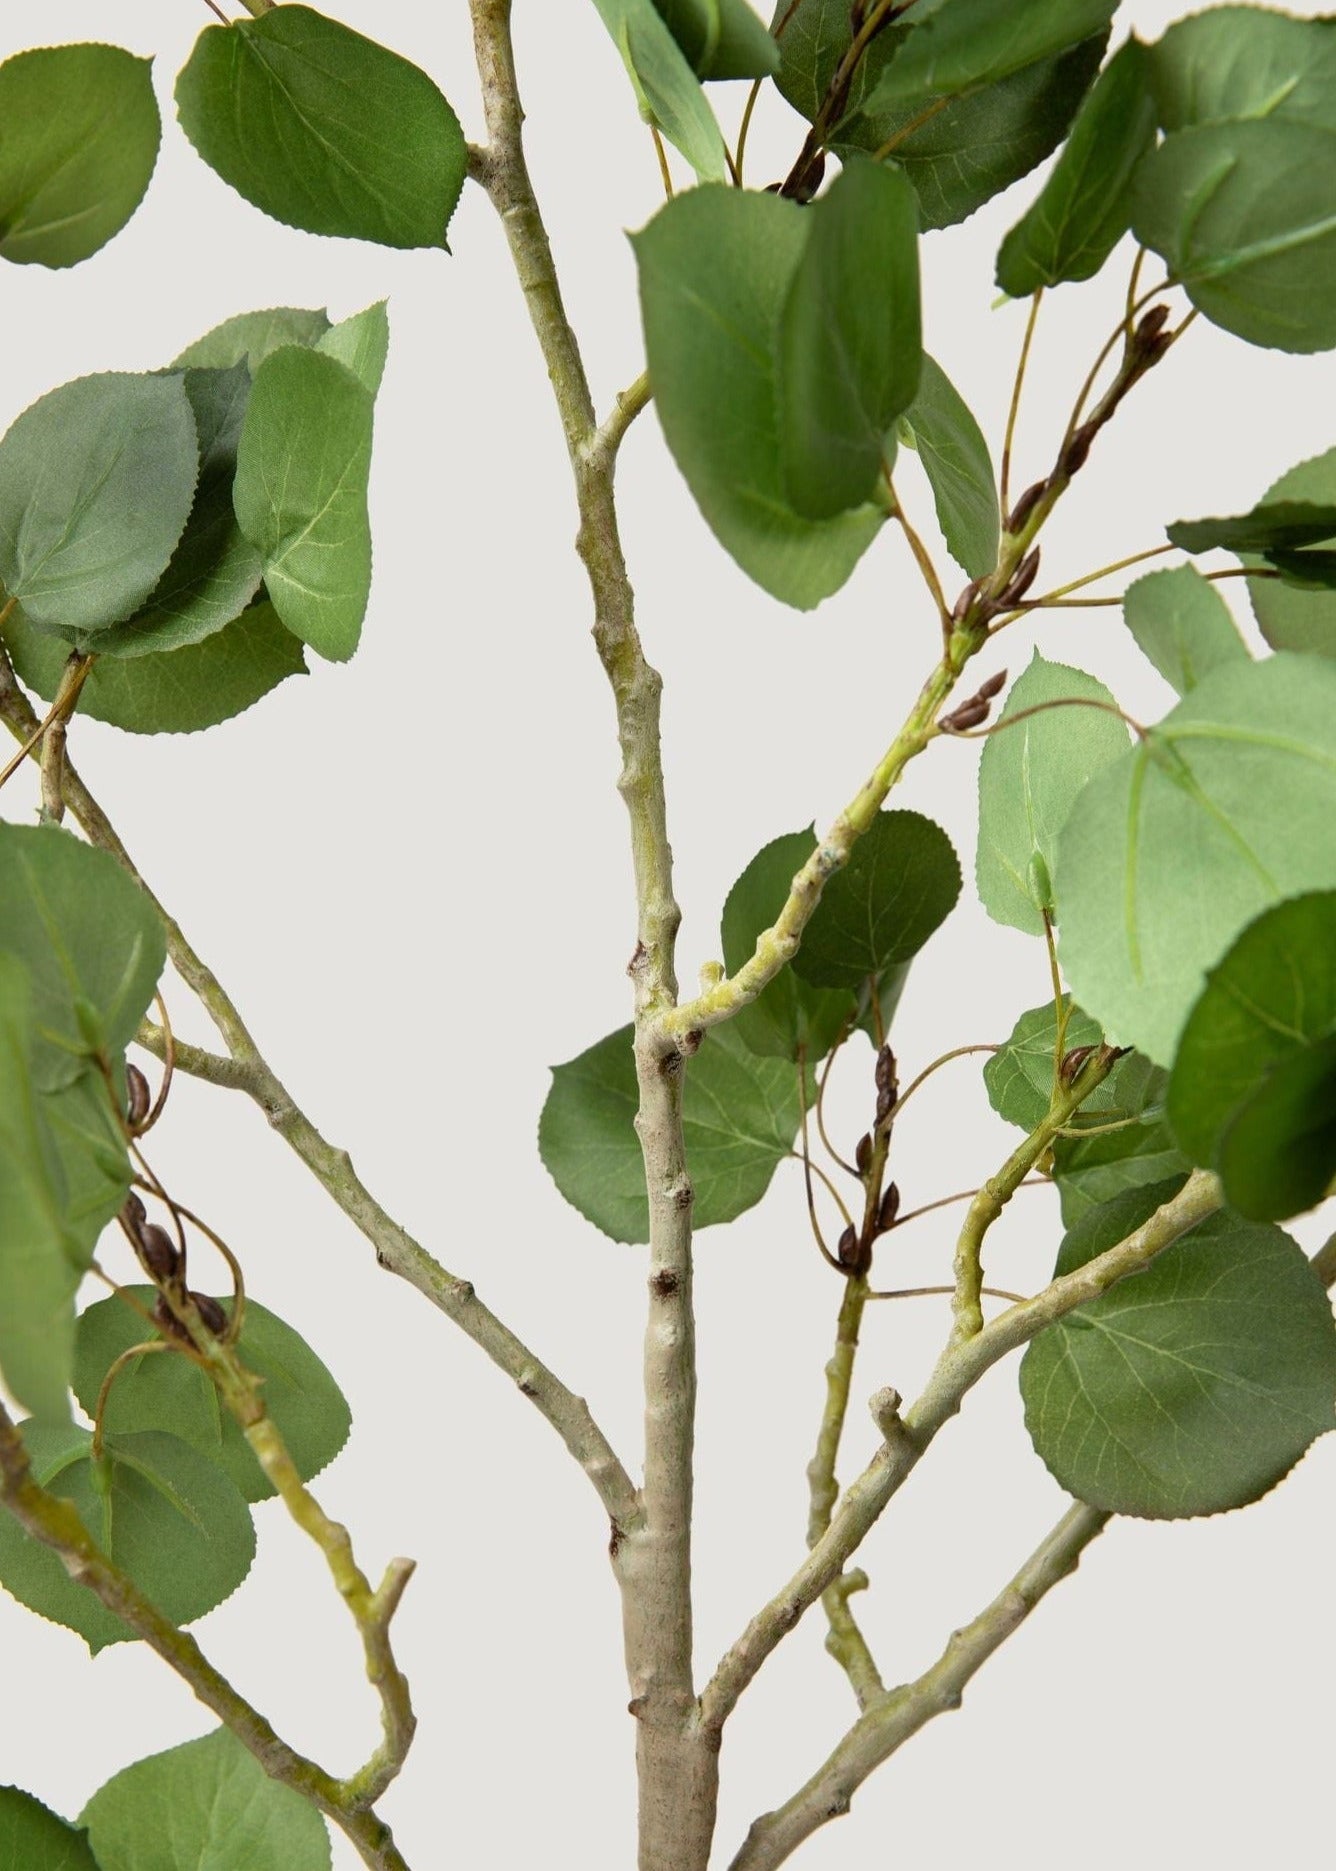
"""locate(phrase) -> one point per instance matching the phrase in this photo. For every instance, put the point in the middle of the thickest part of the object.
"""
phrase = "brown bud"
(1075, 454)
(993, 687)
(133, 1213)
(1072, 1062)
(1024, 576)
(1025, 506)
(847, 1251)
(1150, 327)
(863, 1154)
(211, 1314)
(139, 1099)
(964, 602)
(968, 715)
(166, 1320)
(885, 1070)
(885, 1106)
(890, 1208)
(159, 1253)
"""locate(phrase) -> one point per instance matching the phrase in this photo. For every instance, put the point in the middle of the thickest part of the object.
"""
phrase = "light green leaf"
(249, 338)
(301, 495)
(1083, 210)
(899, 886)
(1183, 625)
(1029, 777)
(1240, 61)
(362, 343)
(323, 129)
(850, 347)
(720, 38)
(92, 942)
(1091, 1171)
(1019, 1076)
(169, 1391)
(740, 1117)
(955, 458)
(969, 148)
(667, 90)
(169, 1518)
(1194, 1387)
(97, 479)
(1244, 214)
(172, 691)
(206, 1804)
(1225, 808)
(79, 134)
(32, 1838)
(789, 1015)
(1253, 1091)
(715, 269)
(1292, 619)
(963, 45)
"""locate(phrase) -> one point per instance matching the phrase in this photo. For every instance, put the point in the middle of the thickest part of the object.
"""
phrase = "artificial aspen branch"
(905, 1438)
(897, 1714)
(396, 1250)
(54, 1522)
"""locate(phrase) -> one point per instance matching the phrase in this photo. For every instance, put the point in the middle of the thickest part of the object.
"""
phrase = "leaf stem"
(1017, 389)
(956, 1052)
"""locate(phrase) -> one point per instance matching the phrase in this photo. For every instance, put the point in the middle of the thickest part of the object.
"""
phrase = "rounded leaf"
(901, 883)
(1291, 619)
(788, 1016)
(32, 1838)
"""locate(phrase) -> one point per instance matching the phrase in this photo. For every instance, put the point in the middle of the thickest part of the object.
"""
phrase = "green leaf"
(207, 1804)
(169, 1391)
(1291, 619)
(1253, 1091)
(33, 1839)
(955, 458)
(251, 336)
(172, 691)
(301, 495)
(850, 347)
(963, 45)
(1019, 1076)
(740, 1116)
(79, 134)
(1093, 1170)
(715, 270)
(1271, 525)
(1183, 625)
(667, 91)
(720, 38)
(1083, 210)
(1239, 61)
(1244, 214)
(361, 343)
(1194, 1387)
(969, 148)
(168, 1518)
(899, 886)
(97, 479)
(1224, 809)
(91, 940)
(1029, 777)
(89, 1144)
(323, 129)
(789, 1015)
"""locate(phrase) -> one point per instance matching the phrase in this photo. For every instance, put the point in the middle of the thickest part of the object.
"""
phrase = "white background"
(412, 874)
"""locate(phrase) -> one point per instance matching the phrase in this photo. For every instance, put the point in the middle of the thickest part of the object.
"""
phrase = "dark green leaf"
(96, 484)
(1293, 619)
(1307, 570)
(898, 888)
(1083, 211)
(1254, 1081)
(850, 347)
(89, 1144)
(172, 691)
(715, 269)
(169, 1391)
(740, 1117)
(955, 458)
(1225, 808)
(1019, 1076)
(362, 343)
(91, 941)
(33, 1839)
(1184, 626)
(721, 38)
(251, 336)
(1244, 214)
(1029, 777)
(170, 1519)
(324, 129)
(1239, 61)
(301, 495)
(789, 1015)
(79, 133)
(1271, 524)
(207, 1804)
(1092, 1170)
(963, 45)
(1194, 1387)
(969, 148)
(667, 90)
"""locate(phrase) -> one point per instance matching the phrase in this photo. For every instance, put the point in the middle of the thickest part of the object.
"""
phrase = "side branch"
(900, 1713)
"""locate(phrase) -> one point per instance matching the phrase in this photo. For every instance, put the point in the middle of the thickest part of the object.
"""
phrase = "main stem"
(677, 1762)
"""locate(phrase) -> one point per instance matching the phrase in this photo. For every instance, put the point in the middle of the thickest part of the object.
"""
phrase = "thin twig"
(1017, 389)
(956, 1052)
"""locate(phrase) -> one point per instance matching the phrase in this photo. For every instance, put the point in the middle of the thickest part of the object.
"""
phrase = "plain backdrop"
(412, 873)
